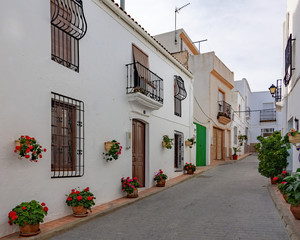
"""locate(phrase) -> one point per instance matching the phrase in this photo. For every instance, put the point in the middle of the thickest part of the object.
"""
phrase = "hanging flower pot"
(113, 150)
(294, 136)
(167, 142)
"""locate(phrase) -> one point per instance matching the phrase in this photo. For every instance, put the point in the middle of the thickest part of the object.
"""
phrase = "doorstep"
(58, 226)
(291, 224)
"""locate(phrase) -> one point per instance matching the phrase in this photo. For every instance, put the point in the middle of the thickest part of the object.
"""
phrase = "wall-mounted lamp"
(272, 90)
(276, 90)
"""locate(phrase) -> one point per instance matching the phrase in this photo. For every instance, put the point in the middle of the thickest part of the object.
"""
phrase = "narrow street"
(227, 202)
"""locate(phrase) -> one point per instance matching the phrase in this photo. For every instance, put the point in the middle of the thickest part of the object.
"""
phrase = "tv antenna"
(177, 11)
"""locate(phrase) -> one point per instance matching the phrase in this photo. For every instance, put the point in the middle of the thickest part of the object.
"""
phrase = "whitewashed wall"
(28, 75)
(291, 93)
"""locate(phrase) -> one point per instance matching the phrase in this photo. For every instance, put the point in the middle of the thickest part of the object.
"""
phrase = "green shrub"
(272, 154)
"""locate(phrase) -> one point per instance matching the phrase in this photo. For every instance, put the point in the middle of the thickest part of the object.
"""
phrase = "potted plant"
(113, 149)
(285, 183)
(28, 215)
(272, 154)
(80, 201)
(167, 142)
(130, 186)
(235, 150)
(293, 197)
(294, 136)
(189, 168)
(29, 148)
(190, 142)
(160, 178)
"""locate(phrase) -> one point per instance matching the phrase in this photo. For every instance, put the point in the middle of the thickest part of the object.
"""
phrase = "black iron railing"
(268, 115)
(141, 79)
(224, 109)
(248, 112)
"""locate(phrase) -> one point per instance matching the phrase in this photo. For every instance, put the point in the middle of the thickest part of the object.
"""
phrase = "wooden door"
(219, 144)
(201, 145)
(138, 151)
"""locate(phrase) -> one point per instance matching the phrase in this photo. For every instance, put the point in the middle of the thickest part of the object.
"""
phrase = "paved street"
(227, 202)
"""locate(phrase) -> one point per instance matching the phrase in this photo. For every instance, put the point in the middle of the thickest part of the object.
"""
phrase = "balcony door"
(221, 100)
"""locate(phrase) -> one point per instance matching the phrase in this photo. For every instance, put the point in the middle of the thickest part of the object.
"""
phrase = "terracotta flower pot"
(135, 194)
(188, 143)
(234, 157)
(284, 196)
(295, 211)
(30, 230)
(161, 183)
(190, 171)
(79, 211)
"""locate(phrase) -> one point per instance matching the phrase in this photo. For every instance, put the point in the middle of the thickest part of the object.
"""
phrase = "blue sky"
(245, 34)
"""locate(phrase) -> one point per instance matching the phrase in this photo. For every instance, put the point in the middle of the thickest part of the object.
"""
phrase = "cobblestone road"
(227, 202)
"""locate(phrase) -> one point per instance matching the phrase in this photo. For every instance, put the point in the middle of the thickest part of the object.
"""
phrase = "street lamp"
(273, 90)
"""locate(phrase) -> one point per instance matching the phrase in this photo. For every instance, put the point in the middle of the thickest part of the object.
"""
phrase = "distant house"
(74, 85)
(213, 83)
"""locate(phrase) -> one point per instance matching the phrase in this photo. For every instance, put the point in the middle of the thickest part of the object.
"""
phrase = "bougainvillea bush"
(81, 198)
(28, 212)
(128, 184)
(29, 148)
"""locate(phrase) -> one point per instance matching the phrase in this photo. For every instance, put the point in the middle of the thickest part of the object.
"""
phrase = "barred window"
(67, 137)
(68, 26)
(179, 94)
(265, 132)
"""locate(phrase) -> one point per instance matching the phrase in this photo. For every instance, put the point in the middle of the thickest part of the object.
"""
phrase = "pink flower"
(132, 186)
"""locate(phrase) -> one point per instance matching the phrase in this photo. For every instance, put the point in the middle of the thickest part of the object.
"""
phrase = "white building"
(86, 82)
(291, 75)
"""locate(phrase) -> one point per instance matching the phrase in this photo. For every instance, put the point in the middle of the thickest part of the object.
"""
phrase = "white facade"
(264, 117)
(28, 78)
(291, 92)
(242, 99)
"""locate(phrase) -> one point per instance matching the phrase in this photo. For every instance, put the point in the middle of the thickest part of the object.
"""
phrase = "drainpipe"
(122, 3)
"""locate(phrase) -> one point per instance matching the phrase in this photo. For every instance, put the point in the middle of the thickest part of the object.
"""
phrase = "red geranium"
(45, 209)
(89, 198)
(43, 204)
(69, 199)
(80, 198)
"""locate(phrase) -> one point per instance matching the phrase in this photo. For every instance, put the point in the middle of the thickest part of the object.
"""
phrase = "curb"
(286, 216)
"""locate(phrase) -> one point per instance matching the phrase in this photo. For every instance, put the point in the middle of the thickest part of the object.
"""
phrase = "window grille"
(68, 26)
(265, 132)
(67, 137)
(288, 61)
(179, 94)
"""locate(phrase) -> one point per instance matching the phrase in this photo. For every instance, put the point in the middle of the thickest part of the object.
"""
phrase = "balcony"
(144, 87)
(268, 115)
(224, 112)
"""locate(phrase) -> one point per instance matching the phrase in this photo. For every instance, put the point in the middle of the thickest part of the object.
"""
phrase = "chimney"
(122, 3)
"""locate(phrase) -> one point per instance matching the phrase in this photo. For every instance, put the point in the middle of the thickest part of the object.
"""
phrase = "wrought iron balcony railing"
(141, 79)
(224, 109)
(268, 115)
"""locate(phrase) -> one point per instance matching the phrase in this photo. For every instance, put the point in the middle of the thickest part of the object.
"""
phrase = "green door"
(200, 145)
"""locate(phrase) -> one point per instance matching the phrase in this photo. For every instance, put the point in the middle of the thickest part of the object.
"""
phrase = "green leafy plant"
(114, 152)
(27, 146)
(279, 178)
(81, 198)
(192, 141)
(235, 150)
(293, 191)
(128, 184)
(286, 182)
(28, 212)
(168, 141)
(272, 154)
(189, 166)
(160, 175)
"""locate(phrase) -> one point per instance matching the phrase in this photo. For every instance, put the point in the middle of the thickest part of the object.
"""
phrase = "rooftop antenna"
(177, 11)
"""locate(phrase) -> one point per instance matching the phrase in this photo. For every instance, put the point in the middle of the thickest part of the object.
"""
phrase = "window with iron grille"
(68, 26)
(265, 132)
(288, 61)
(67, 137)
(179, 94)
